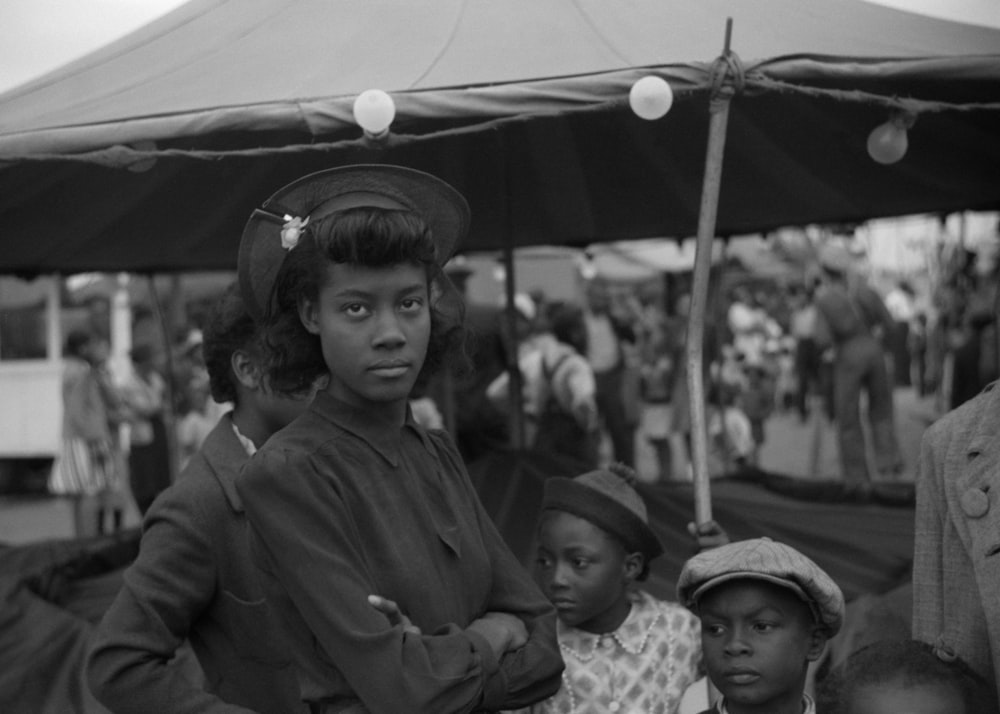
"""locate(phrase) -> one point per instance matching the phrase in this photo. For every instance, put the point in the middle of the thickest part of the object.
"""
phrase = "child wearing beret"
(766, 612)
(624, 650)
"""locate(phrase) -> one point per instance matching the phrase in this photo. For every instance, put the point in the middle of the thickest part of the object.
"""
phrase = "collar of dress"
(383, 435)
(631, 636)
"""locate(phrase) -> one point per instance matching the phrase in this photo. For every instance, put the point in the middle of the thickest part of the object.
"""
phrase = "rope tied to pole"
(728, 76)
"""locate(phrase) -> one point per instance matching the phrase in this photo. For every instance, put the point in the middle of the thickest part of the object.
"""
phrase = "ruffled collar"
(631, 636)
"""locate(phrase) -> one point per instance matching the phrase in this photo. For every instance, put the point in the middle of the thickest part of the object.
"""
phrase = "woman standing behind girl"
(354, 498)
(193, 579)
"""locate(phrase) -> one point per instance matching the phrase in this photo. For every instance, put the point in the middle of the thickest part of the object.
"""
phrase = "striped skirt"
(82, 468)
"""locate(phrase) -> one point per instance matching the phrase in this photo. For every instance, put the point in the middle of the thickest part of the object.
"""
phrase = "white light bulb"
(888, 142)
(374, 111)
(651, 97)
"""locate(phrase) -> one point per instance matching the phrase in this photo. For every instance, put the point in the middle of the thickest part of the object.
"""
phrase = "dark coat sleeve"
(533, 672)
(170, 583)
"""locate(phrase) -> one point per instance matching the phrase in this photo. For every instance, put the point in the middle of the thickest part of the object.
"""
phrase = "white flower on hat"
(291, 231)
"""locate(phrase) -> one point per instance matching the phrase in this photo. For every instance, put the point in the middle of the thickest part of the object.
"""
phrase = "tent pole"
(169, 410)
(512, 344)
(718, 121)
(515, 380)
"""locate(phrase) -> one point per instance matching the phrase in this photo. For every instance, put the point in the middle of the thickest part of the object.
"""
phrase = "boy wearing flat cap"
(766, 612)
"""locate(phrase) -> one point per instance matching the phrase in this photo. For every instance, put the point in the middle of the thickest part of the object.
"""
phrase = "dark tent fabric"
(866, 545)
(521, 105)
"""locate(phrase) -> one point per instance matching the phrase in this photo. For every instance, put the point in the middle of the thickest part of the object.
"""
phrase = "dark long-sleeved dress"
(342, 505)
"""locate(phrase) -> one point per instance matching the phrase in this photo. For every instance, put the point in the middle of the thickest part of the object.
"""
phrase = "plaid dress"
(643, 666)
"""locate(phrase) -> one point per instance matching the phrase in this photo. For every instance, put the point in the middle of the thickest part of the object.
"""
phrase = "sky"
(37, 36)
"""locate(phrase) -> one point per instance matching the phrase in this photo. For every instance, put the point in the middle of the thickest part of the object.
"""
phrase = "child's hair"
(76, 343)
(910, 663)
(230, 328)
(608, 499)
(365, 236)
(567, 325)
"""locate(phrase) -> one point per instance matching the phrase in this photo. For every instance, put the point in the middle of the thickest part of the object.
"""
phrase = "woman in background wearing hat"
(354, 499)
(625, 651)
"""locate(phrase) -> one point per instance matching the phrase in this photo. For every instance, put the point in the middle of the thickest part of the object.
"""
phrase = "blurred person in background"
(853, 321)
(144, 393)
(807, 353)
(608, 331)
(901, 304)
(86, 467)
(558, 386)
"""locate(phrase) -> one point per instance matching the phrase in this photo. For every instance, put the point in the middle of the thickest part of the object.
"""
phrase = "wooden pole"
(169, 415)
(515, 380)
(509, 320)
(718, 121)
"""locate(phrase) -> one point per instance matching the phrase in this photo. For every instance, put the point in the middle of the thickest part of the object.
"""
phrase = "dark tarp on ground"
(867, 547)
(520, 105)
(53, 593)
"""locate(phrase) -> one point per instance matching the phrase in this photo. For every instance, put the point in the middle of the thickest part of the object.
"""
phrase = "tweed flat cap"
(764, 559)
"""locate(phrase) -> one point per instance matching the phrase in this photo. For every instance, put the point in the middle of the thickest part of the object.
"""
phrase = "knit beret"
(608, 500)
(764, 559)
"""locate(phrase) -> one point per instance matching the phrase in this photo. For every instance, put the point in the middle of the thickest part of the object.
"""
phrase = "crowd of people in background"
(127, 428)
(597, 374)
(833, 346)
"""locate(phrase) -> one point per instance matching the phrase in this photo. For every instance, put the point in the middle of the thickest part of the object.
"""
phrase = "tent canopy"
(521, 105)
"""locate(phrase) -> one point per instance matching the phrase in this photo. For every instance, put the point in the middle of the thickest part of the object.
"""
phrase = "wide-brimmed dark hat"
(310, 198)
(609, 501)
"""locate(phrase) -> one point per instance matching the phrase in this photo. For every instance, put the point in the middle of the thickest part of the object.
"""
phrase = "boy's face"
(757, 639)
(374, 326)
(584, 572)
(903, 698)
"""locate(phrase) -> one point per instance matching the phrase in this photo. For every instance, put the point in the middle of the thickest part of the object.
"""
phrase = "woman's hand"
(504, 632)
(391, 610)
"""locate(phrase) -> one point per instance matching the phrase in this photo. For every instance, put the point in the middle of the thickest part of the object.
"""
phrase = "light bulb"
(650, 97)
(887, 143)
(374, 111)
